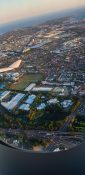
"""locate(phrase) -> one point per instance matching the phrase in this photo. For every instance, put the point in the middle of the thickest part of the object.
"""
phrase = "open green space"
(25, 81)
(79, 124)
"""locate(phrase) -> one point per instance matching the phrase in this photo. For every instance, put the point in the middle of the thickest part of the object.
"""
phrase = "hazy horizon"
(78, 13)
(17, 10)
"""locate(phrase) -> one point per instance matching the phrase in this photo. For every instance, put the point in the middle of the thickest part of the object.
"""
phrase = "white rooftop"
(41, 106)
(30, 99)
(53, 101)
(24, 107)
(4, 94)
(66, 103)
(30, 87)
(13, 102)
(42, 89)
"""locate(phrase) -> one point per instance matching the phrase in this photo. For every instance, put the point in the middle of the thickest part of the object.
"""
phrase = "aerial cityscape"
(42, 85)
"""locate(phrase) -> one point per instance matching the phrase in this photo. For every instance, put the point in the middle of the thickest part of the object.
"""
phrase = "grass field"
(25, 81)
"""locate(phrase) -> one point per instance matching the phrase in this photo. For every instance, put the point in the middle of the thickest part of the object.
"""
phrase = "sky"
(12, 10)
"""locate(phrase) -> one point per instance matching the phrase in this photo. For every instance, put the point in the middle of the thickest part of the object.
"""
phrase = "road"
(56, 137)
(70, 117)
(67, 139)
(52, 146)
(67, 123)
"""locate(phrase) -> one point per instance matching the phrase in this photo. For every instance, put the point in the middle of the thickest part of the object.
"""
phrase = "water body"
(78, 13)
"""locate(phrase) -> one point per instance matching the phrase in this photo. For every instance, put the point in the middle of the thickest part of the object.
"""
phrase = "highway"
(67, 139)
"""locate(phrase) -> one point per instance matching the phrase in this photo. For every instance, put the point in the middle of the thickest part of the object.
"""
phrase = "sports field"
(26, 80)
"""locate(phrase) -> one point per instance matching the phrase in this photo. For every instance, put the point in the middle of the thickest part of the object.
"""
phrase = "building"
(42, 89)
(24, 107)
(10, 105)
(4, 95)
(2, 86)
(66, 103)
(30, 87)
(30, 99)
(53, 101)
(41, 106)
(13, 76)
(58, 89)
